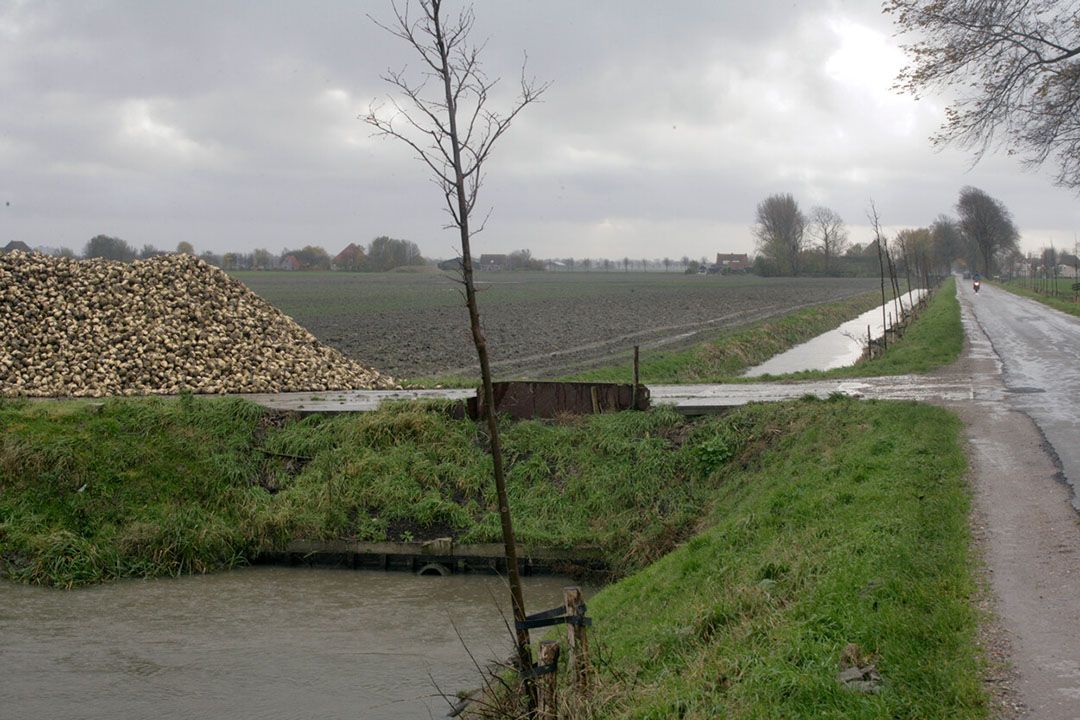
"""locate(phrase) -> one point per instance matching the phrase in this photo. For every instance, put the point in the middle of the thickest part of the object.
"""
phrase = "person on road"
(977, 282)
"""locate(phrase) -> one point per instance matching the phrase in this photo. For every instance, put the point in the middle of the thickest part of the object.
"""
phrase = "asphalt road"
(1039, 349)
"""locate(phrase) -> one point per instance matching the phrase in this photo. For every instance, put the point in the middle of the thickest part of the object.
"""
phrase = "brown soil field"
(413, 325)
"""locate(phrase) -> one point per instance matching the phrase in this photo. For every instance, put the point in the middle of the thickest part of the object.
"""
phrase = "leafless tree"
(879, 242)
(827, 228)
(986, 225)
(780, 231)
(946, 242)
(1013, 67)
(444, 116)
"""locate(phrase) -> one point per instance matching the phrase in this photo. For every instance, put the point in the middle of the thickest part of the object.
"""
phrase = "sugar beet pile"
(159, 326)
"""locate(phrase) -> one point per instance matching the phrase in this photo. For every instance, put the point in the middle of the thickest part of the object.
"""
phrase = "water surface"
(839, 347)
(254, 643)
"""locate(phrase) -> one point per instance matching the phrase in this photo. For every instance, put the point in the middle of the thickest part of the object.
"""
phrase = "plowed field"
(538, 324)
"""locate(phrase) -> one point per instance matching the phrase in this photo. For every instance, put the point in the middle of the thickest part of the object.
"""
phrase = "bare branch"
(1014, 67)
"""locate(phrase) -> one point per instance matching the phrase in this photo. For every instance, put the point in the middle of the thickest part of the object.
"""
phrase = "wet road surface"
(1039, 350)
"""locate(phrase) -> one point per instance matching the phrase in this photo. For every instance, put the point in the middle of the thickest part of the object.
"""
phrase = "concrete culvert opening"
(434, 569)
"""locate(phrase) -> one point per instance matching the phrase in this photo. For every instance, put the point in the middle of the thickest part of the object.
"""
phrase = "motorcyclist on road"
(977, 281)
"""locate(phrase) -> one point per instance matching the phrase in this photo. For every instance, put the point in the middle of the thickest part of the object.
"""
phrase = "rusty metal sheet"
(527, 399)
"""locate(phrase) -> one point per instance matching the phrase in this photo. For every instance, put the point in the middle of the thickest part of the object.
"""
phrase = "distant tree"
(211, 258)
(261, 259)
(66, 252)
(185, 247)
(569, 263)
(1049, 258)
(827, 228)
(626, 264)
(310, 257)
(607, 264)
(109, 248)
(148, 251)
(947, 243)
(523, 260)
(586, 264)
(386, 253)
(780, 232)
(667, 264)
(986, 225)
(913, 244)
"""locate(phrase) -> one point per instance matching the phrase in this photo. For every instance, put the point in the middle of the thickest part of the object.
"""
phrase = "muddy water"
(255, 643)
(839, 347)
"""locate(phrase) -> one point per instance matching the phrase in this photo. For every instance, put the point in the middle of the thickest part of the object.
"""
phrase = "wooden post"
(577, 641)
(547, 705)
(637, 377)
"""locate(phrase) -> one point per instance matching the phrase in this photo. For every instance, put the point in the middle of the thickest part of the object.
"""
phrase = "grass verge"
(849, 531)
(935, 339)
(1064, 302)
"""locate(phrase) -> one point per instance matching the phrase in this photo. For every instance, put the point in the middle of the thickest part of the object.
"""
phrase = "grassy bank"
(1063, 301)
(168, 486)
(737, 349)
(850, 529)
(754, 547)
(935, 339)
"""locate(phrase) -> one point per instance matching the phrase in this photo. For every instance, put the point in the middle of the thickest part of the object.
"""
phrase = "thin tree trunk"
(524, 652)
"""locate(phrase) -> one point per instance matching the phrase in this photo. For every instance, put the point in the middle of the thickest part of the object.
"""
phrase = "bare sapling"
(443, 115)
(879, 241)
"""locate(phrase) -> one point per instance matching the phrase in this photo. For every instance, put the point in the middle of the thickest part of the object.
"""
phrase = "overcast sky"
(234, 125)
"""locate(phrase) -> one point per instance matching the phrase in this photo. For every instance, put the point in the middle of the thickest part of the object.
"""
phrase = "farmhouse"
(289, 262)
(351, 258)
(732, 262)
(494, 262)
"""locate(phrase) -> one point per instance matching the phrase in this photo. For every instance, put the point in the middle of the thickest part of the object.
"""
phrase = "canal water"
(266, 642)
(839, 347)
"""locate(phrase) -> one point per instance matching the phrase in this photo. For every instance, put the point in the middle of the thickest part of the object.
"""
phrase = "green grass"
(754, 546)
(1064, 301)
(738, 349)
(850, 528)
(935, 339)
(145, 487)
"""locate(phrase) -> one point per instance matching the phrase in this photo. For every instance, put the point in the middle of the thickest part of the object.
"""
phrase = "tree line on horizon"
(381, 254)
(982, 237)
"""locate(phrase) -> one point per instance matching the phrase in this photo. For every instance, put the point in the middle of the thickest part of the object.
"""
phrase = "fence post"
(577, 641)
(637, 378)
(547, 706)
